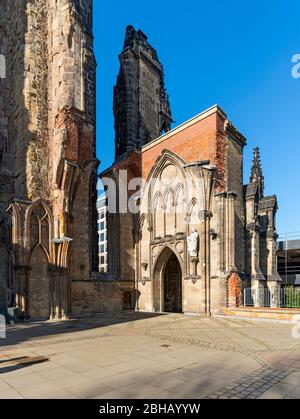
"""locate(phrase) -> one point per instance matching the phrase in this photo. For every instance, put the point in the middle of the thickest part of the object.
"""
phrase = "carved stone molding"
(205, 214)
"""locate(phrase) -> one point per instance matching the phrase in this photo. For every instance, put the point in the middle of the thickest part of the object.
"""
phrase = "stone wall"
(47, 132)
(95, 297)
(235, 184)
(35, 97)
(6, 158)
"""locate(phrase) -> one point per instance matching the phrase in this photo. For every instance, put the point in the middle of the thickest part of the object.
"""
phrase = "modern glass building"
(102, 231)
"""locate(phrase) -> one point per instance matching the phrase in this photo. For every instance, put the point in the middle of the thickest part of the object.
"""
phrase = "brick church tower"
(48, 165)
(141, 105)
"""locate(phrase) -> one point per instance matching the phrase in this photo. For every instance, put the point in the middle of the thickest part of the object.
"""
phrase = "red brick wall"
(193, 143)
(204, 140)
(79, 146)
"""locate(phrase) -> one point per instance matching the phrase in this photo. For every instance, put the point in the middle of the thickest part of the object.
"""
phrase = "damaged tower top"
(141, 104)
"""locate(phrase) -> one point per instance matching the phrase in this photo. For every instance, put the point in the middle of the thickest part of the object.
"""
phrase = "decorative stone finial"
(256, 172)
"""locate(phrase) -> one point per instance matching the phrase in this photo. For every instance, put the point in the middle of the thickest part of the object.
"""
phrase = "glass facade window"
(103, 259)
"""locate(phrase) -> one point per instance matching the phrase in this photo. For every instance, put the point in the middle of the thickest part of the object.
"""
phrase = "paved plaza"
(136, 355)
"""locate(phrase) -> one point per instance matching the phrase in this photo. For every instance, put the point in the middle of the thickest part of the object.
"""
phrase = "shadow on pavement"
(29, 331)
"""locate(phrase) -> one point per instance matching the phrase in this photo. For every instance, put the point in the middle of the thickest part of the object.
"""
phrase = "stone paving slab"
(135, 355)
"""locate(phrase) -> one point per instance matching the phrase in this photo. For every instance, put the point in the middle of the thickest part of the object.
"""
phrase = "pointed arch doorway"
(167, 283)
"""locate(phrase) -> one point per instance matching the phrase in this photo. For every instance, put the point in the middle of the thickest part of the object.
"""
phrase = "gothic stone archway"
(167, 283)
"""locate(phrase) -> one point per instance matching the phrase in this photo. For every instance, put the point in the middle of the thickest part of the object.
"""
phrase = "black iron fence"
(286, 297)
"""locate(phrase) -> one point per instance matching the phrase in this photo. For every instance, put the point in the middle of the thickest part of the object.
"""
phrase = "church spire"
(256, 172)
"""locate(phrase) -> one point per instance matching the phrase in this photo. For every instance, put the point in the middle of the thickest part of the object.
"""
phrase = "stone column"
(235, 297)
(138, 267)
(53, 274)
(257, 277)
(219, 283)
(208, 216)
(60, 284)
(59, 289)
(231, 196)
(21, 290)
(205, 260)
(204, 178)
(273, 278)
(221, 203)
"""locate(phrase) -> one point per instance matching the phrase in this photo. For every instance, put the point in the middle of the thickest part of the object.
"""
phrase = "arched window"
(180, 209)
(168, 205)
(158, 216)
(40, 228)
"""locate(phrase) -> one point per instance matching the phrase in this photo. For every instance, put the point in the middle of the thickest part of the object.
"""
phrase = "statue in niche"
(192, 243)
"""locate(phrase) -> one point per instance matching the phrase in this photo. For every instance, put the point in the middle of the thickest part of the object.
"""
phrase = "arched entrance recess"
(167, 283)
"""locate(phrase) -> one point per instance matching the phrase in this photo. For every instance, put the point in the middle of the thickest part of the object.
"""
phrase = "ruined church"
(188, 240)
(193, 236)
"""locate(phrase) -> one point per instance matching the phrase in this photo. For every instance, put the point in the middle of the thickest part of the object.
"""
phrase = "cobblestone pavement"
(251, 386)
(137, 355)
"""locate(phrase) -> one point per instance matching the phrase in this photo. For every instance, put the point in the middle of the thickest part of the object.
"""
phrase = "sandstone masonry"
(48, 165)
(194, 187)
(141, 103)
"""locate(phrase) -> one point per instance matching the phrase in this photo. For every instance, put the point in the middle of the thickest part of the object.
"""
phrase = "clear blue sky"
(224, 52)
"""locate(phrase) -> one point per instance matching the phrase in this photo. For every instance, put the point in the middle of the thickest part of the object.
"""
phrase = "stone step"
(278, 314)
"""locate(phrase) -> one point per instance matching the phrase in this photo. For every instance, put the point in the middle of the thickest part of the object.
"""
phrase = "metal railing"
(294, 235)
(287, 297)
